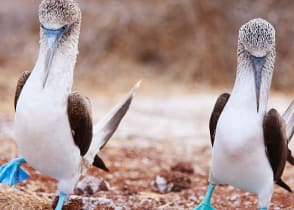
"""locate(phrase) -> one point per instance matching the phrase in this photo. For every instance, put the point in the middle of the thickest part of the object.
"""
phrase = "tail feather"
(288, 116)
(105, 128)
(282, 184)
(99, 163)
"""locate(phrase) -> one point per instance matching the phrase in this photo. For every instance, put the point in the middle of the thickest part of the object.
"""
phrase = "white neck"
(60, 77)
(244, 93)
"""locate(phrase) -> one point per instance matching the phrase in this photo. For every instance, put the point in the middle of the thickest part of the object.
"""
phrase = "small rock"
(73, 205)
(168, 181)
(236, 203)
(247, 203)
(160, 185)
(234, 197)
(184, 167)
(90, 185)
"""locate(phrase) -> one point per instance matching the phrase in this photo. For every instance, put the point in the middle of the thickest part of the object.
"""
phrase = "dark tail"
(282, 184)
(99, 163)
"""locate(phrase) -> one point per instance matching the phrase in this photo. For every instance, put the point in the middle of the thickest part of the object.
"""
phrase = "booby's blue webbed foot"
(61, 198)
(262, 208)
(205, 204)
(11, 173)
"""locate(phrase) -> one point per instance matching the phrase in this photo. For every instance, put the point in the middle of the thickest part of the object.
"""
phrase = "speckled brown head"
(257, 37)
(256, 53)
(55, 14)
(60, 27)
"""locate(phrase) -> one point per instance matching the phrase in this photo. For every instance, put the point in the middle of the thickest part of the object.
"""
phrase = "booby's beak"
(257, 63)
(52, 38)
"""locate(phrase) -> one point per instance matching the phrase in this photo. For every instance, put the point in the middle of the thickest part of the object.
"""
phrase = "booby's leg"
(61, 198)
(11, 173)
(205, 204)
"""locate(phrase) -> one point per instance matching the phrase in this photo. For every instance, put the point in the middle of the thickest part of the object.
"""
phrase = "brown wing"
(217, 110)
(276, 145)
(21, 82)
(80, 119)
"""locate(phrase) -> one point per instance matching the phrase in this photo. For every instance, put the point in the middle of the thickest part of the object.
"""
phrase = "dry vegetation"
(191, 39)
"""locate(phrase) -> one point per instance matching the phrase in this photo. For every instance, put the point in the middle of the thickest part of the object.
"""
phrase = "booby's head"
(60, 23)
(257, 44)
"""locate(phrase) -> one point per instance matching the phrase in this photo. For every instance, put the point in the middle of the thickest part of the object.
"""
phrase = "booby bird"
(53, 126)
(250, 144)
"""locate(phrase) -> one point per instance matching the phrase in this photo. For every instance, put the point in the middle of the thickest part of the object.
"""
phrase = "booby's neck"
(62, 67)
(243, 93)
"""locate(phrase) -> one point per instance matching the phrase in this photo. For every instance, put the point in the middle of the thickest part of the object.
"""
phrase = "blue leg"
(11, 173)
(205, 204)
(61, 199)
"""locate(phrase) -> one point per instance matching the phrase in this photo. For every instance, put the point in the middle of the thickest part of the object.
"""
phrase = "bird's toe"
(11, 173)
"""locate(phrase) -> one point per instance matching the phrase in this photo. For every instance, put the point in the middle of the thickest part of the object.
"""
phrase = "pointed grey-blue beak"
(257, 63)
(52, 38)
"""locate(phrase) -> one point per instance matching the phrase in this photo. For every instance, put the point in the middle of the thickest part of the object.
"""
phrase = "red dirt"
(131, 172)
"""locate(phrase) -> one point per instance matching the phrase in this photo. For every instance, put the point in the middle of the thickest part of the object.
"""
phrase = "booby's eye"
(64, 28)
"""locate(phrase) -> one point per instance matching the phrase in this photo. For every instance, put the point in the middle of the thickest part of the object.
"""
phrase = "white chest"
(239, 157)
(42, 130)
(239, 131)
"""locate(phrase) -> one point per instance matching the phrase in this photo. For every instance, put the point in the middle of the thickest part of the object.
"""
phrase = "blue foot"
(262, 208)
(11, 173)
(205, 204)
(61, 199)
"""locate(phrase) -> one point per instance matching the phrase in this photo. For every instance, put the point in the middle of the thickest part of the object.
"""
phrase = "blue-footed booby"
(53, 125)
(250, 145)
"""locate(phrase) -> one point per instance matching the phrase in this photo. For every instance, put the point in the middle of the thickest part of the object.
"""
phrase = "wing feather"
(20, 84)
(217, 110)
(80, 119)
(276, 145)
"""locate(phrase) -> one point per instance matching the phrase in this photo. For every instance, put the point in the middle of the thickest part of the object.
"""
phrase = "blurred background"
(184, 51)
(178, 41)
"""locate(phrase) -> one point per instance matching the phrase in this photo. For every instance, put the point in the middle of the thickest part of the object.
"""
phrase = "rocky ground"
(159, 156)
(158, 159)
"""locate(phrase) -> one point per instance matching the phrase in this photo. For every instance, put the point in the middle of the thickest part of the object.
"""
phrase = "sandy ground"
(158, 133)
